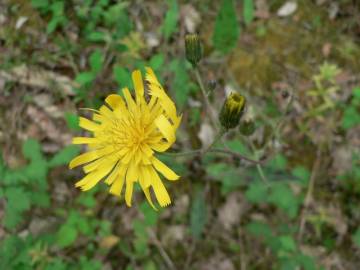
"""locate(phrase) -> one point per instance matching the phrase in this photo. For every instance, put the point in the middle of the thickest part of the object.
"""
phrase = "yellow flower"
(126, 136)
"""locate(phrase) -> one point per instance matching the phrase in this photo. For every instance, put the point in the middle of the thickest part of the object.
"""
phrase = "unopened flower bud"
(193, 48)
(232, 110)
(247, 127)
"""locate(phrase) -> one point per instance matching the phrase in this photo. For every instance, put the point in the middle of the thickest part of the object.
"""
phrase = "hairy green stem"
(209, 108)
(213, 150)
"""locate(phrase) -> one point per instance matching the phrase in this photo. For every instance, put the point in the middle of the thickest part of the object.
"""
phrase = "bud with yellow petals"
(232, 111)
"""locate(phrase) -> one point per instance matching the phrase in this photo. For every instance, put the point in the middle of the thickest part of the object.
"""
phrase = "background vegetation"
(297, 62)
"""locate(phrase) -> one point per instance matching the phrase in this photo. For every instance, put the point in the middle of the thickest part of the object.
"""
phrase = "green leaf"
(307, 262)
(66, 235)
(288, 243)
(2, 166)
(17, 198)
(57, 264)
(40, 198)
(157, 61)
(64, 156)
(149, 214)
(14, 253)
(31, 149)
(141, 240)
(57, 8)
(72, 121)
(284, 198)
(87, 264)
(54, 23)
(248, 11)
(227, 30)
(257, 192)
(96, 61)
(356, 238)
(278, 162)
(238, 146)
(87, 199)
(356, 93)
(17, 202)
(181, 83)
(40, 4)
(198, 215)
(302, 174)
(115, 13)
(259, 229)
(122, 77)
(85, 77)
(229, 177)
(36, 172)
(217, 170)
(150, 265)
(97, 36)
(171, 19)
(351, 118)
(15, 176)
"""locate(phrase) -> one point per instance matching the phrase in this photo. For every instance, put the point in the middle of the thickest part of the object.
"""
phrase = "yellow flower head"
(126, 135)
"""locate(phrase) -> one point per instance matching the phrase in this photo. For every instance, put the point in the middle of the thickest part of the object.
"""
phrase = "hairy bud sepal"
(232, 110)
(247, 127)
(193, 49)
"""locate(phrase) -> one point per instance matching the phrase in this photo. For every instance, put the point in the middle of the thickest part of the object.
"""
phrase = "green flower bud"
(247, 127)
(232, 111)
(193, 48)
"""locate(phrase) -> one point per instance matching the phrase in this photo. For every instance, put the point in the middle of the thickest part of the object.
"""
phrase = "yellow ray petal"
(164, 170)
(84, 140)
(146, 174)
(103, 161)
(99, 118)
(157, 90)
(150, 76)
(88, 124)
(145, 149)
(148, 197)
(104, 110)
(128, 192)
(132, 173)
(160, 191)
(115, 101)
(145, 188)
(145, 160)
(127, 157)
(165, 128)
(93, 178)
(117, 186)
(129, 100)
(118, 183)
(161, 147)
(90, 156)
(118, 171)
(138, 85)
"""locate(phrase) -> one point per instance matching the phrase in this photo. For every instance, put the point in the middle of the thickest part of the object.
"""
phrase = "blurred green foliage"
(227, 29)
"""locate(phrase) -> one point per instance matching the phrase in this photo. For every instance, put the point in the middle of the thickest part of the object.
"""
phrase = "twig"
(258, 166)
(206, 99)
(216, 139)
(190, 255)
(214, 150)
(162, 251)
(309, 193)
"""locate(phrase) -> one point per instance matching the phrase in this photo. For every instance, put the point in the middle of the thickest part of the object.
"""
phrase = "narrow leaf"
(227, 30)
